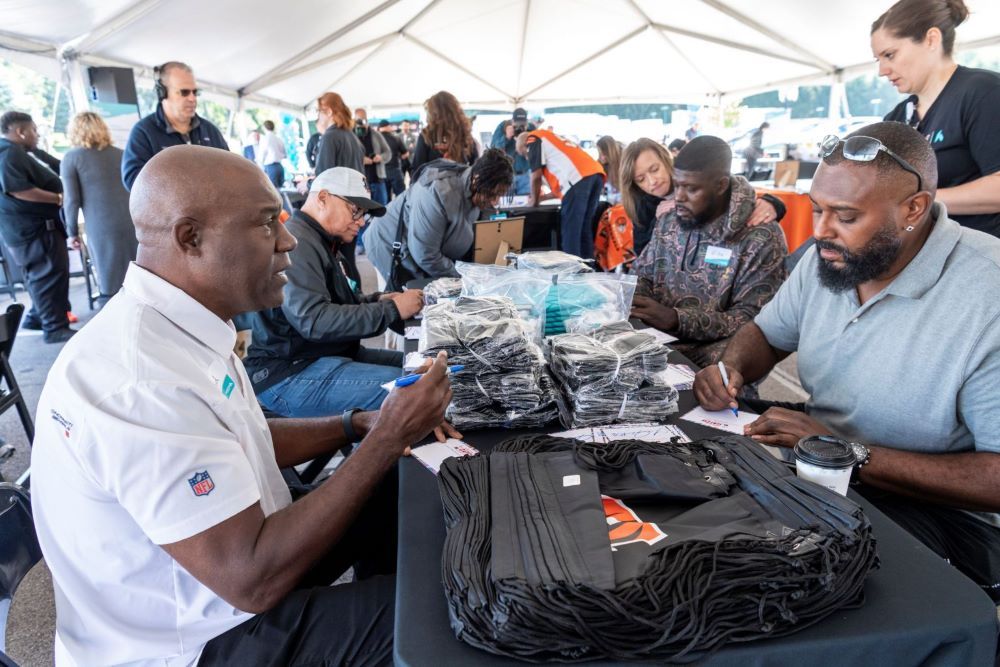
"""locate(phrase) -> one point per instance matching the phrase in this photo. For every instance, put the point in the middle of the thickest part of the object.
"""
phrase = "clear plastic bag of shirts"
(611, 374)
(527, 289)
(585, 301)
(551, 261)
(442, 289)
(505, 382)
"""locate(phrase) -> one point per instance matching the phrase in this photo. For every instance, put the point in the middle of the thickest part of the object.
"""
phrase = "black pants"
(44, 262)
(320, 624)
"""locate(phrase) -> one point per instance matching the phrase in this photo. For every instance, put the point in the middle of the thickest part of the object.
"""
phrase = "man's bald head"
(207, 221)
(193, 182)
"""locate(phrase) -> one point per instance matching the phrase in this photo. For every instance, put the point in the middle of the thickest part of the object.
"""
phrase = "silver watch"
(861, 453)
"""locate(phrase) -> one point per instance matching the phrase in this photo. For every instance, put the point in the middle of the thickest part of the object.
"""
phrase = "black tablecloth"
(918, 610)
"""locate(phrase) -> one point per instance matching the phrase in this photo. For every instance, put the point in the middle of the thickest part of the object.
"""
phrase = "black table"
(918, 609)
(541, 225)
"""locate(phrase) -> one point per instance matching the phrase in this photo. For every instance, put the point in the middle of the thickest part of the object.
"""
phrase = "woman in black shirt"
(954, 107)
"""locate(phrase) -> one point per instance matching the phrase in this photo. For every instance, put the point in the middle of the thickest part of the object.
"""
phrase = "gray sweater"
(339, 148)
(439, 225)
(92, 183)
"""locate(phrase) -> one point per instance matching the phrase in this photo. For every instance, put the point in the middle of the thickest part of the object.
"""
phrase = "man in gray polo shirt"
(897, 327)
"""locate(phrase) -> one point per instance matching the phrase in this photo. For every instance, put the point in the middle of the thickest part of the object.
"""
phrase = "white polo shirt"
(147, 433)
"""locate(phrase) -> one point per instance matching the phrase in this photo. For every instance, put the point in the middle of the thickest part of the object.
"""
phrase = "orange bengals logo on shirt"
(625, 527)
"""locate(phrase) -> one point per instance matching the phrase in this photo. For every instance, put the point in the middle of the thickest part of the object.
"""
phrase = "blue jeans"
(379, 192)
(522, 184)
(330, 385)
(577, 215)
(276, 174)
(394, 180)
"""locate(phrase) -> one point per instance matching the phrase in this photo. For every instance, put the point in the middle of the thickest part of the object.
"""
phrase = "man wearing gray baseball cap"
(306, 358)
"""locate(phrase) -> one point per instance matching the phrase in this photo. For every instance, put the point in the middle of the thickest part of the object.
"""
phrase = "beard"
(688, 224)
(869, 263)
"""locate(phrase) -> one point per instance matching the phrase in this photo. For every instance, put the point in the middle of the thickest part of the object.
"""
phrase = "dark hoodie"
(717, 276)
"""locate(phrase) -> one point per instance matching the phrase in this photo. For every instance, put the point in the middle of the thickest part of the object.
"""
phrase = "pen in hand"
(407, 380)
(725, 381)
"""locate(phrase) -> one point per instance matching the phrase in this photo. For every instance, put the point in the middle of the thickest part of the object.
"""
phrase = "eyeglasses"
(356, 211)
(865, 149)
(184, 92)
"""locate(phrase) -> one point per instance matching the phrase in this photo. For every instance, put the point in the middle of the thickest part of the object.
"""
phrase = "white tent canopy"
(489, 53)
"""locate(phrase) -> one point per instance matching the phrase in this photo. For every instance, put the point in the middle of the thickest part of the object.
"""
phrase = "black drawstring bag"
(570, 551)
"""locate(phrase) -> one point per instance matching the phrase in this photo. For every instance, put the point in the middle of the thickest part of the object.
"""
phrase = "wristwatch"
(862, 456)
(352, 435)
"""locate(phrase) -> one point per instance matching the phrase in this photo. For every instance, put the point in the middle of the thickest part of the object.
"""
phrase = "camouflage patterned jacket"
(717, 276)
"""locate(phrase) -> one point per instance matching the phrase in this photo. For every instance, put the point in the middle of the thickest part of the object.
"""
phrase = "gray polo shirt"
(917, 367)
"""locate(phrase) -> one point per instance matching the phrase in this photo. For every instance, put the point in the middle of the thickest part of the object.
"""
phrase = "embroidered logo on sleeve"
(201, 483)
(62, 421)
(227, 386)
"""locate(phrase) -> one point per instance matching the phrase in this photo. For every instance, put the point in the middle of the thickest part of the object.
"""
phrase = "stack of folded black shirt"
(569, 551)
(504, 382)
(611, 374)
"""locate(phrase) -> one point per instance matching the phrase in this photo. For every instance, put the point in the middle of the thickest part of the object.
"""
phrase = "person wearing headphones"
(174, 122)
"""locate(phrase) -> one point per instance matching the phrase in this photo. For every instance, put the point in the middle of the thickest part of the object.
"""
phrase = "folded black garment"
(570, 551)
(505, 382)
(611, 374)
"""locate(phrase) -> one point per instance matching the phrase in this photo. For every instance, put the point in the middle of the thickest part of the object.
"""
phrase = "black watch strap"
(352, 435)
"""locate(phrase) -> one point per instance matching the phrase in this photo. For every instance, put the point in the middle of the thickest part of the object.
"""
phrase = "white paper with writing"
(723, 420)
(647, 432)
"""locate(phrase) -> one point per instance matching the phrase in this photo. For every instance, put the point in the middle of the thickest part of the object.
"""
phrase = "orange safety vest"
(563, 162)
(614, 245)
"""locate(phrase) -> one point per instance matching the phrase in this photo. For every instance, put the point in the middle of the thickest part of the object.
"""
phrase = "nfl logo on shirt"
(201, 483)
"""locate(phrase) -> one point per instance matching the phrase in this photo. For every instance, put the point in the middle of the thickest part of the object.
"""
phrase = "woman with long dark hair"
(448, 133)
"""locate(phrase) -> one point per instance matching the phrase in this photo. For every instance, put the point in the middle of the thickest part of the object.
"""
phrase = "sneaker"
(58, 335)
(31, 323)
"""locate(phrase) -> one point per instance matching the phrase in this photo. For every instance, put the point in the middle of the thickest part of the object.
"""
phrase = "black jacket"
(324, 313)
(153, 133)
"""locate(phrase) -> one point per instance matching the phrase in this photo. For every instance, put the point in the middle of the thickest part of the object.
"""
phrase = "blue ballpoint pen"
(725, 381)
(407, 380)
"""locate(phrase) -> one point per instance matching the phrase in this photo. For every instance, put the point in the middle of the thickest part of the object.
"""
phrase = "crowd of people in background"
(903, 208)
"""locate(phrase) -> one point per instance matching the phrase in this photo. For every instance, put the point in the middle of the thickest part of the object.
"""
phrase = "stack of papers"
(648, 432)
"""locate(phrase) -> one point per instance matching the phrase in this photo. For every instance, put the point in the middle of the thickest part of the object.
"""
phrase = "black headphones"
(161, 90)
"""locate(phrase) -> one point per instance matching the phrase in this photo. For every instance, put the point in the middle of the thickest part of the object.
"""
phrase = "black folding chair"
(19, 551)
(10, 392)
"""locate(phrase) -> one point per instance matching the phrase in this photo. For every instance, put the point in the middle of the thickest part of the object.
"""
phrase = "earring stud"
(910, 228)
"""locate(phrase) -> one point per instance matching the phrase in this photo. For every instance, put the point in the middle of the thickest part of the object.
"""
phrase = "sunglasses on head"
(865, 149)
(184, 92)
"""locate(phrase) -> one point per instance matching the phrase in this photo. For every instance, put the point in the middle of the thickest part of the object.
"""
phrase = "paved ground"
(31, 625)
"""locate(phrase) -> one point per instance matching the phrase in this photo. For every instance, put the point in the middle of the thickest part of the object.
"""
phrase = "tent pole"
(73, 77)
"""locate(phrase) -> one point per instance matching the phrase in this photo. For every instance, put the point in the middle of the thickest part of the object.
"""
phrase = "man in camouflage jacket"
(705, 272)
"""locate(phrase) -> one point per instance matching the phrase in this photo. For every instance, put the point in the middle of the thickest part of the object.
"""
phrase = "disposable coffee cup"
(825, 460)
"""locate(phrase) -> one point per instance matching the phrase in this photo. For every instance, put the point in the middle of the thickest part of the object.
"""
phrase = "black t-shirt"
(396, 146)
(21, 221)
(535, 154)
(963, 127)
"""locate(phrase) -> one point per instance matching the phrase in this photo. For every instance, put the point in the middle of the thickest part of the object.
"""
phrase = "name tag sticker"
(227, 386)
(718, 256)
